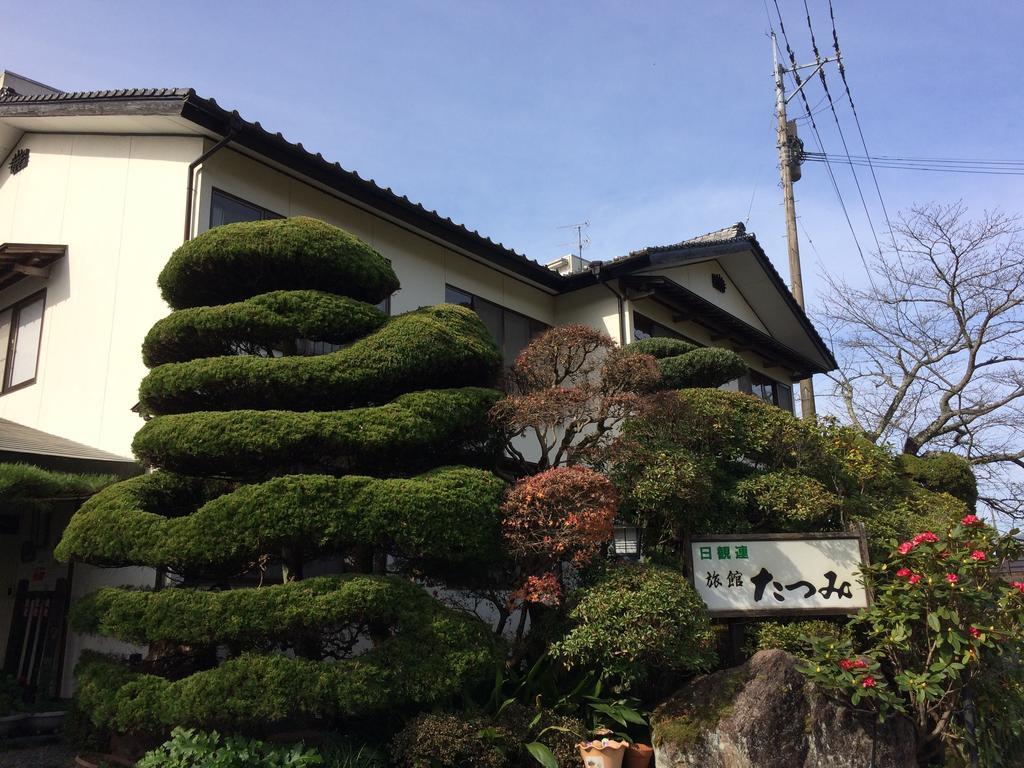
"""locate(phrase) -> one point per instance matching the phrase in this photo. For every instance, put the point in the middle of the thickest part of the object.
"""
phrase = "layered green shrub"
(637, 622)
(705, 367)
(21, 483)
(684, 365)
(785, 500)
(261, 325)
(188, 748)
(431, 347)
(415, 430)
(434, 654)
(448, 515)
(272, 464)
(237, 261)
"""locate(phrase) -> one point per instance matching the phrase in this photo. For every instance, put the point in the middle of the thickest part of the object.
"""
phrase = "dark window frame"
(671, 333)
(12, 341)
(265, 213)
(534, 325)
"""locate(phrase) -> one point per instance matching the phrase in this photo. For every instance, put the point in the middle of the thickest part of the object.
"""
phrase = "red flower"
(975, 632)
(859, 664)
(845, 663)
(1019, 585)
(971, 520)
(927, 536)
(914, 579)
(978, 554)
(868, 682)
(952, 578)
(903, 573)
(905, 547)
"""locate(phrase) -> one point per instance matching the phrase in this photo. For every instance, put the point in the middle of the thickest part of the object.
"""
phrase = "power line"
(842, 136)
(817, 136)
(934, 167)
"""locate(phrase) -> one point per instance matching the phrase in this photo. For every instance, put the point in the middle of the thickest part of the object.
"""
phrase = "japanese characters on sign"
(779, 574)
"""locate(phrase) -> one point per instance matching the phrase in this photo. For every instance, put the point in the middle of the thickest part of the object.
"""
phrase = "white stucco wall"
(423, 265)
(697, 278)
(117, 203)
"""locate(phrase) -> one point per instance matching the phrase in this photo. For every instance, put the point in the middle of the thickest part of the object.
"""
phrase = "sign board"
(779, 574)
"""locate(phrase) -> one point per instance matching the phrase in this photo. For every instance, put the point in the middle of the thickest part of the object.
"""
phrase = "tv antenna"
(582, 241)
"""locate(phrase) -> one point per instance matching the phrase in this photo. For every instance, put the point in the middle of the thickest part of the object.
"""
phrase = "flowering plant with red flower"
(942, 619)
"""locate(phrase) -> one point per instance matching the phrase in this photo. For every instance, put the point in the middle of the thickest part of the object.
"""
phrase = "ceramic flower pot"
(603, 753)
(638, 756)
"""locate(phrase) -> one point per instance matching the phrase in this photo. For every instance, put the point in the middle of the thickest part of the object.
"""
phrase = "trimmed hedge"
(660, 347)
(788, 501)
(705, 367)
(431, 347)
(449, 515)
(244, 618)
(25, 482)
(435, 654)
(270, 321)
(420, 429)
(237, 261)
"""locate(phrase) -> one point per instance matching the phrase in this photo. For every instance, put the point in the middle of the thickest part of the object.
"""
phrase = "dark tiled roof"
(17, 438)
(12, 97)
(730, 234)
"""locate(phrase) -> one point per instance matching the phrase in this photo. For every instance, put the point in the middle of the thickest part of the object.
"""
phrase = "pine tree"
(272, 466)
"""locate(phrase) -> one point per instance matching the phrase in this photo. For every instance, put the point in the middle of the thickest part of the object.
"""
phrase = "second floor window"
(228, 209)
(21, 332)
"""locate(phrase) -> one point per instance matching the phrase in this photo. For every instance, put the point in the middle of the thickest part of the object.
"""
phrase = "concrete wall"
(118, 203)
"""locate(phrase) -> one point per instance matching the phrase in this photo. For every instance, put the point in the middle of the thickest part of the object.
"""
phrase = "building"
(98, 188)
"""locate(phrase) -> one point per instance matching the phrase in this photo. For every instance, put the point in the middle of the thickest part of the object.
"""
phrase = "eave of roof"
(22, 439)
(21, 260)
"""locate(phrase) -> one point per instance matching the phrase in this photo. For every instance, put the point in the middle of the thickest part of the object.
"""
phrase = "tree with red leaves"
(569, 389)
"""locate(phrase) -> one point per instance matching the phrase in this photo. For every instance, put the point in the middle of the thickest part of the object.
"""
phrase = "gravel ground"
(48, 756)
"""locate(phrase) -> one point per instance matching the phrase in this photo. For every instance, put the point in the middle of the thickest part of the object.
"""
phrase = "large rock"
(765, 714)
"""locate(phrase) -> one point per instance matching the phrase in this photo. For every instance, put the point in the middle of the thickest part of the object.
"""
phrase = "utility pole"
(787, 164)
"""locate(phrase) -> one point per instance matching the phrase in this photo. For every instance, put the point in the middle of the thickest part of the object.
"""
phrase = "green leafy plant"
(197, 749)
(794, 636)
(637, 621)
(936, 643)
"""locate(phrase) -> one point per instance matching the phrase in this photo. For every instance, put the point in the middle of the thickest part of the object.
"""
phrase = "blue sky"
(654, 121)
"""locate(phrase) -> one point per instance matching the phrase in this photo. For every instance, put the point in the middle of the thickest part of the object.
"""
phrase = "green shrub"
(659, 347)
(432, 347)
(704, 367)
(416, 430)
(793, 636)
(270, 321)
(195, 749)
(449, 741)
(237, 261)
(449, 514)
(637, 622)
(788, 501)
(943, 473)
(434, 654)
(21, 483)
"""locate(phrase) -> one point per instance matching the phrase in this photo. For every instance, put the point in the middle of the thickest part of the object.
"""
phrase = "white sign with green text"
(774, 574)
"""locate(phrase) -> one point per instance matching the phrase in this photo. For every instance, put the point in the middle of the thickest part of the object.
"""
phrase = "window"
(645, 328)
(768, 389)
(511, 330)
(228, 209)
(21, 331)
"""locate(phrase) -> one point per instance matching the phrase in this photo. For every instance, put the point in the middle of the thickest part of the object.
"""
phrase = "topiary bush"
(636, 622)
(684, 365)
(270, 464)
(943, 473)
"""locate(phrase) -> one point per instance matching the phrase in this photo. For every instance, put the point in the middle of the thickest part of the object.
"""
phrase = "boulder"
(765, 714)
